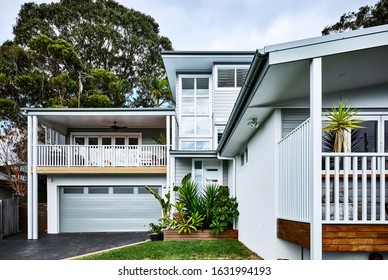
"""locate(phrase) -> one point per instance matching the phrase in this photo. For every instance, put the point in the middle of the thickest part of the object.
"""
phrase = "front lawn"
(178, 250)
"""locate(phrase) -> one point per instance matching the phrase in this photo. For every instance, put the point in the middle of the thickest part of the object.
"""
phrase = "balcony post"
(168, 143)
(316, 156)
(29, 177)
(34, 177)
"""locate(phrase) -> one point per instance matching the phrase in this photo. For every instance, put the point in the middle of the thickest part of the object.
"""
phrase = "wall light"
(253, 123)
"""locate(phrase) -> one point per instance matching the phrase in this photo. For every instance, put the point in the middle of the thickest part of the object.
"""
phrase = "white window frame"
(196, 140)
(100, 135)
(244, 157)
(228, 66)
(194, 115)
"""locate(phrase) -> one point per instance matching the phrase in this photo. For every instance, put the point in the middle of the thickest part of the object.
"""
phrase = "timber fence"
(9, 217)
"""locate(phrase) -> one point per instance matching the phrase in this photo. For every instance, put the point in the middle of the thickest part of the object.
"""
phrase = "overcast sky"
(224, 24)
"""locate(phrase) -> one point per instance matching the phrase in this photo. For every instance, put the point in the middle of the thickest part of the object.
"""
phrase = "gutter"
(258, 65)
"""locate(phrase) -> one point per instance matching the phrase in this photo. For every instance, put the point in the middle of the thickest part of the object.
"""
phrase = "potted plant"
(340, 122)
(155, 232)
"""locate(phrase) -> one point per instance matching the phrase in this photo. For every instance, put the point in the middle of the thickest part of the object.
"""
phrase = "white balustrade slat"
(373, 189)
(355, 188)
(382, 189)
(336, 188)
(346, 189)
(327, 189)
(364, 189)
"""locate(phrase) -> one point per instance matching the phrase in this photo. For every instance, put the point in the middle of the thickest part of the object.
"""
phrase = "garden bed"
(205, 234)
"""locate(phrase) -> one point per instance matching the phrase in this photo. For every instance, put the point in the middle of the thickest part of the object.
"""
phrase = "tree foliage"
(105, 35)
(90, 53)
(13, 156)
(367, 16)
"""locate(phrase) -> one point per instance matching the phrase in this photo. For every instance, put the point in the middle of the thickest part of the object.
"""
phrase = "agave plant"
(341, 120)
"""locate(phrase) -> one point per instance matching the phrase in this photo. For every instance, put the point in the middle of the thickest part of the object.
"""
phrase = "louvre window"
(241, 74)
(231, 77)
(225, 78)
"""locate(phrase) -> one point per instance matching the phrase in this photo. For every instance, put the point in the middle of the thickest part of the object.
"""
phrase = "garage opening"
(107, 208)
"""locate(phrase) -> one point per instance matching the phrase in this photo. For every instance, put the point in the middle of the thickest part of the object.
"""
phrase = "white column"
(173, 133)
(168, 140)
(172, 159)
(315, 157)
(34, 177)
(29, 177)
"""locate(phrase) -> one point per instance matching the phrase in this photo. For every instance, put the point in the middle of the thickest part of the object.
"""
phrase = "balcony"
(354, 197)
(80, 159)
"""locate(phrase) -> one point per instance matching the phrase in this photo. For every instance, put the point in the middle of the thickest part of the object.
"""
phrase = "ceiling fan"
(115, 127)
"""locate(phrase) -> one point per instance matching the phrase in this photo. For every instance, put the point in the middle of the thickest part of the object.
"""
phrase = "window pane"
(106, 141)
(198, 173)
(123, 190)
(93, 141)
(187, 126)
(187, 145)
(241, 74)
(73, 190)
(187, 106)
(133, 141)
(385, 136)
(79, 140)
(365, 139)
(187, 83)
(119, 141)
(187, 86)
(98, 190)
(203, 126)
(143, 190)
(202, 83)
(203, 145)
(202, 106)
(198, 164)
(225, 77)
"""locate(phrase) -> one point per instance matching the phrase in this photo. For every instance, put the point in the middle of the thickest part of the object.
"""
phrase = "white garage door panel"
(107, 212)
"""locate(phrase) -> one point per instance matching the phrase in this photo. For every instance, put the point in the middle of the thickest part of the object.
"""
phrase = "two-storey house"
(98, 161)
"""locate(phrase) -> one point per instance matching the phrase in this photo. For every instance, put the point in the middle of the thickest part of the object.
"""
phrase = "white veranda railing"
(353, 184)
(99, 155)
(294, 166)
(354, 187)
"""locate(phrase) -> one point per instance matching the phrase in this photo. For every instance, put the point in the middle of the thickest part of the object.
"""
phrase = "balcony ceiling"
(64, 119)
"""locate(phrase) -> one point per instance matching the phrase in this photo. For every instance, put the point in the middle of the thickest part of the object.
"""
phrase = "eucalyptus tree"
(367, 16)
(105, 35)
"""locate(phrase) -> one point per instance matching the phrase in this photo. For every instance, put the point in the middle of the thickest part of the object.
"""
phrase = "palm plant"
(188, 195)
(341, 120)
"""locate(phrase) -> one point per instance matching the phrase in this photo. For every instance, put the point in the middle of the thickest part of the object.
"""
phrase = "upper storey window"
(195, 107)
(231, 77)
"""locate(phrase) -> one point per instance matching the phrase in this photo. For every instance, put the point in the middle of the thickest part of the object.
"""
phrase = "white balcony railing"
(89, 155)
(294, 175)
(354, 187)
(353, 184)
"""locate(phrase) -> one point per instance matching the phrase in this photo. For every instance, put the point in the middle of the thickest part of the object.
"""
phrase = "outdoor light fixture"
(253, 123)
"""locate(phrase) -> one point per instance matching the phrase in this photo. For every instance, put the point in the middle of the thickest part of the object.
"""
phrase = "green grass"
(178, 250)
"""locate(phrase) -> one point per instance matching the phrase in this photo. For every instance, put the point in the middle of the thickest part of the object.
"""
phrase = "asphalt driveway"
(64, 245)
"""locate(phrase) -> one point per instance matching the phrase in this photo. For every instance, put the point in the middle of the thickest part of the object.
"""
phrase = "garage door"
(107, 208)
